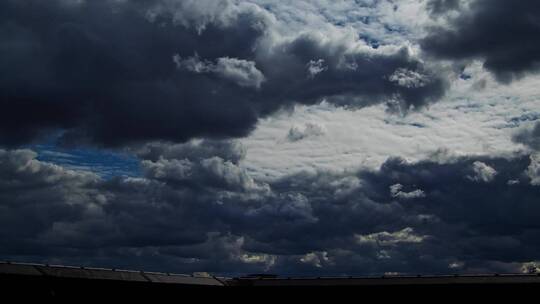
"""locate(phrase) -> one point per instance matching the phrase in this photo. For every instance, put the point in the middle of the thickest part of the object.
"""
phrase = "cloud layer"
(333, 89)
(194, 212)
(112, 73)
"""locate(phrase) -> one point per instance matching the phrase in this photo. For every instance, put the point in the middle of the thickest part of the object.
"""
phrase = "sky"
(305, 137)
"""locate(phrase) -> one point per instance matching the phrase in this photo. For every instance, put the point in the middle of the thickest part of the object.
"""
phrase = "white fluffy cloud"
(315, 67)
(395, 191)
(297, 133)
(482, 172)
(409, 79)
(384, 238)
(242, 72)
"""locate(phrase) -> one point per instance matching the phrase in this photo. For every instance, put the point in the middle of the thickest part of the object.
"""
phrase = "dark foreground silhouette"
(34, 280)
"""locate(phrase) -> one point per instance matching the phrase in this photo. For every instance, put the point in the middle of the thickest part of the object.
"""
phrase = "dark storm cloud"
(191, 213)
(316, 69)
(103, 72)
(116, 72)
(501, 33)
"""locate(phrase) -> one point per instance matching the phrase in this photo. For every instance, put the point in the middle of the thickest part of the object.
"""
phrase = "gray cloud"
(439, 7)
(193, 150)
(350, 77)
(113, 73)
(529, 137)
(498, 32)
(190, 212)
(533, 171)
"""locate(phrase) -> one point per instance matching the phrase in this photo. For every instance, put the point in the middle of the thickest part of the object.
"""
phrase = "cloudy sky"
(297, 137)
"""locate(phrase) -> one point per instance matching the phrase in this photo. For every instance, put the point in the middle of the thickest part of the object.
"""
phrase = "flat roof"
(71, 272)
